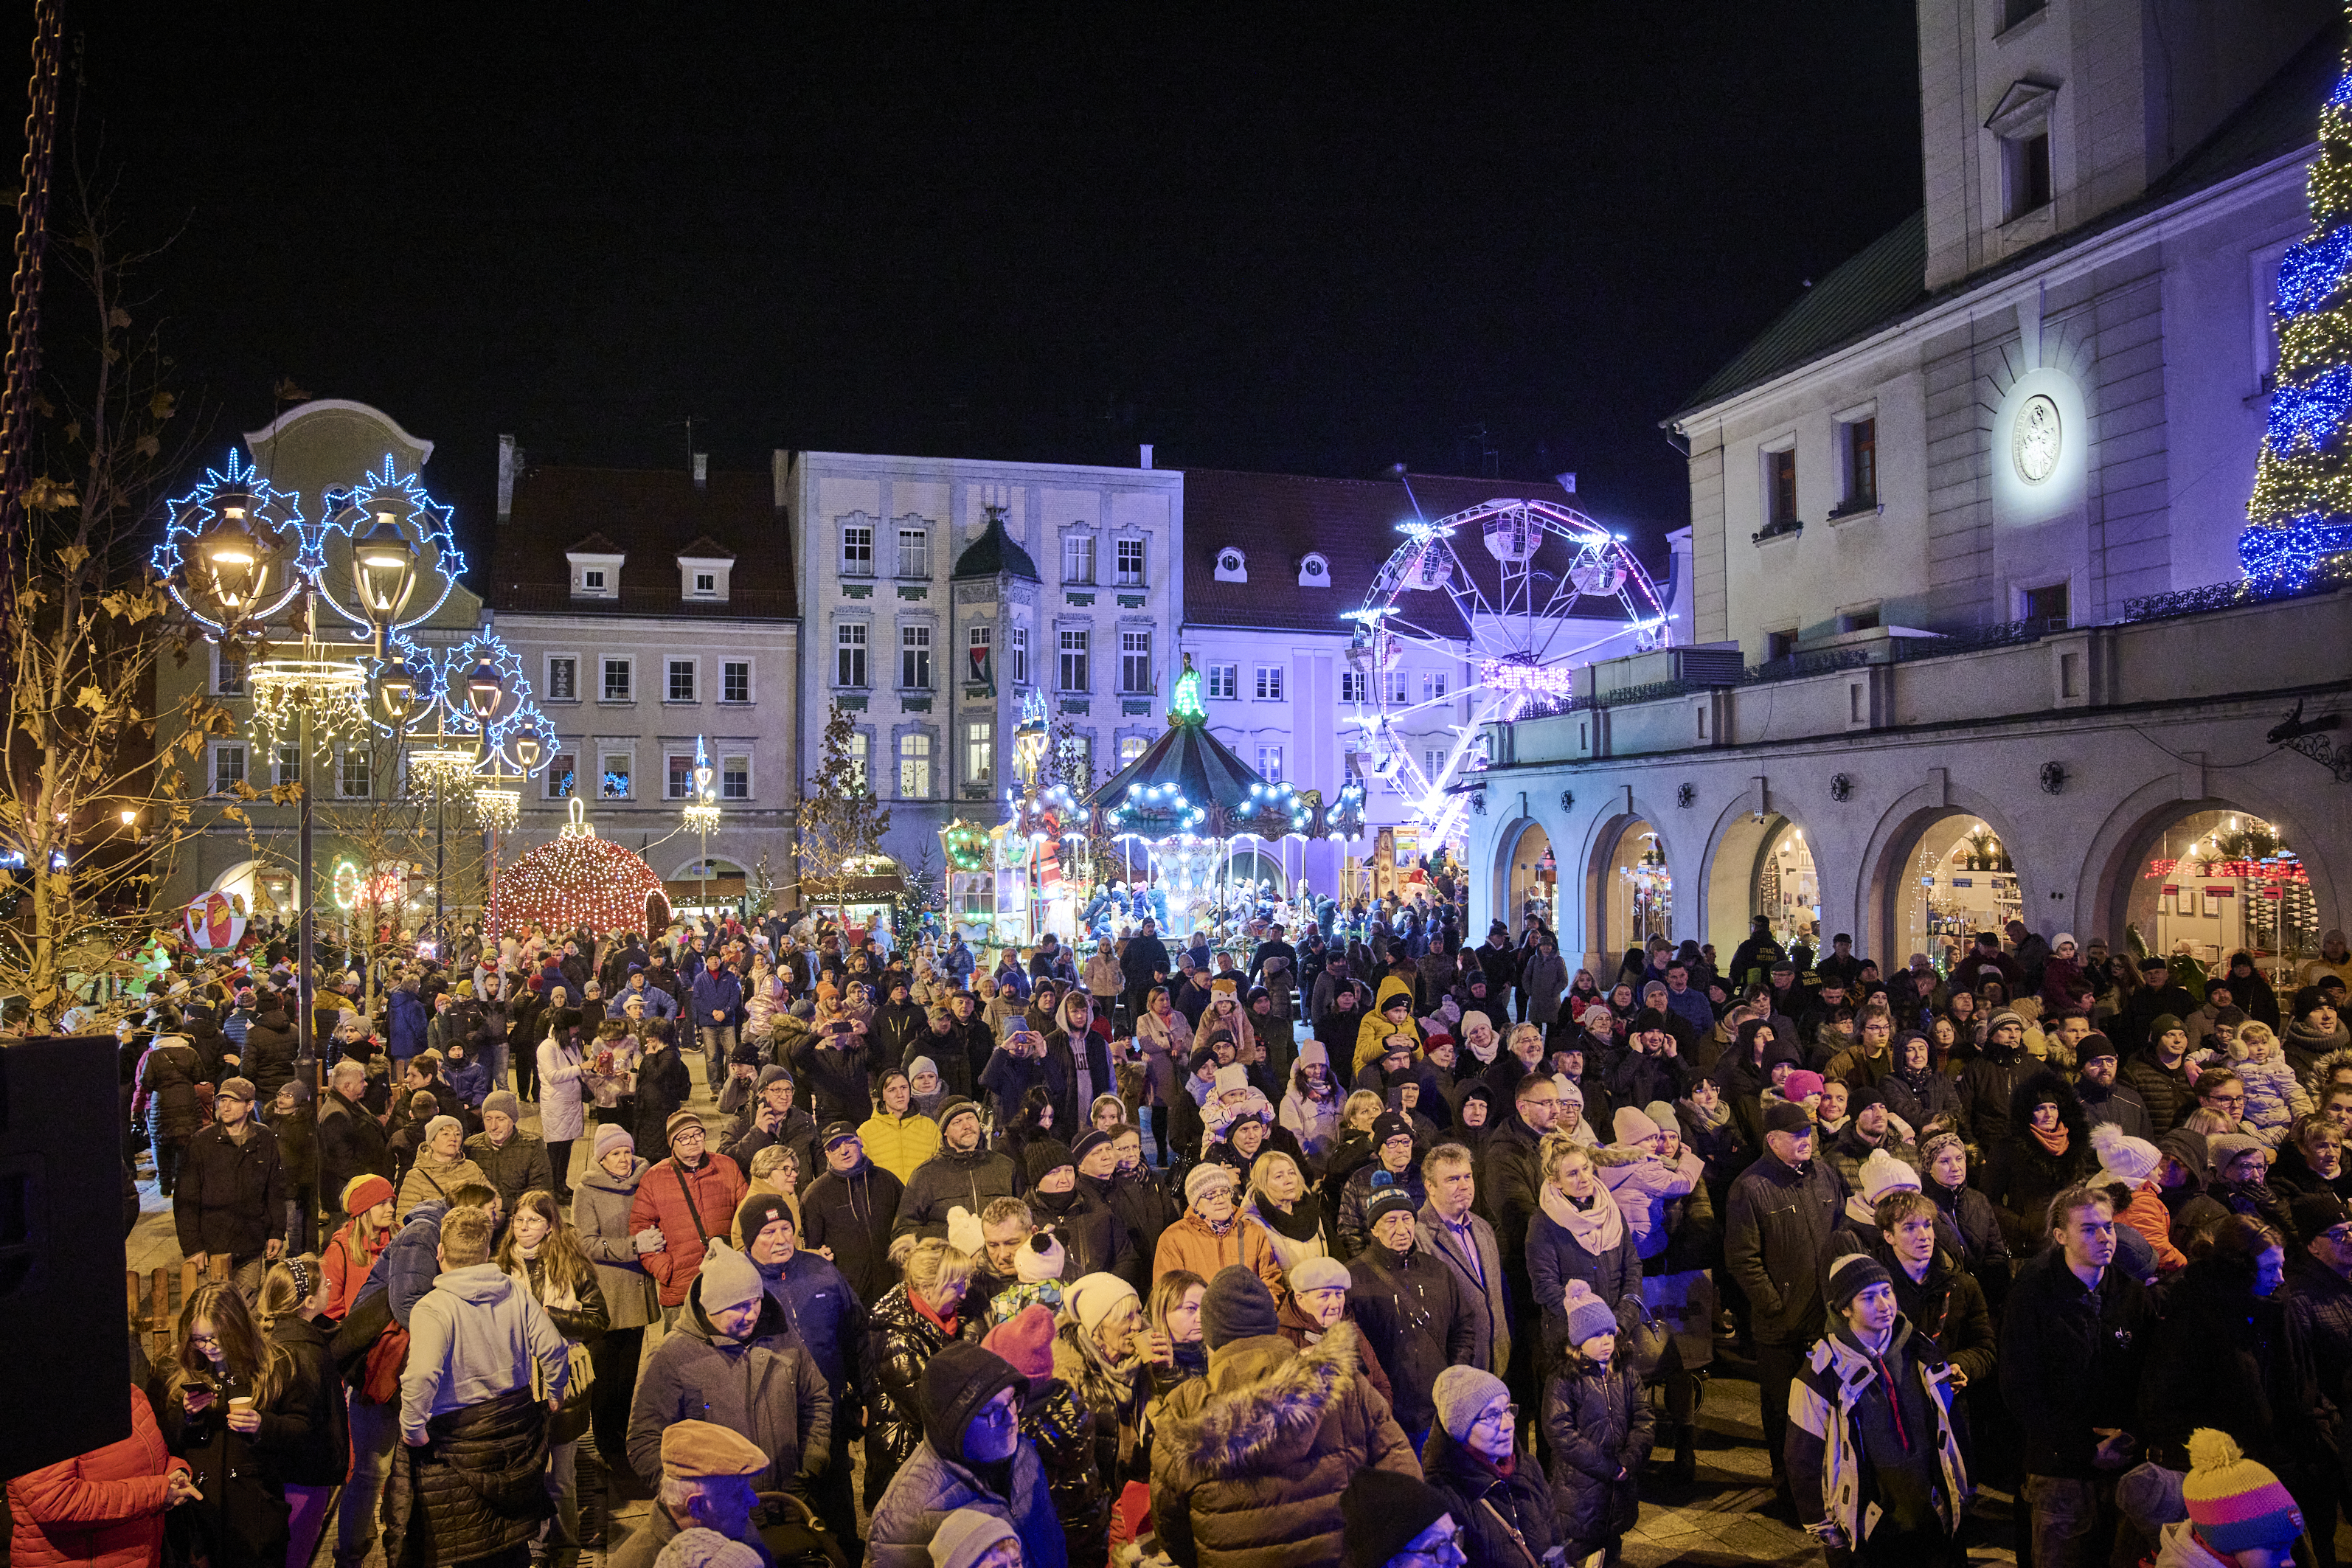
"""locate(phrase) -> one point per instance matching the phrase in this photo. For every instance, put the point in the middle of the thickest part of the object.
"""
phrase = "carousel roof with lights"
(1188, 781)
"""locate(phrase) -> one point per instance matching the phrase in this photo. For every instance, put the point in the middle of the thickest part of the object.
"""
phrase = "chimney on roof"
(1146, 461)
(701, 469)
(1567, 481)
(510, 466)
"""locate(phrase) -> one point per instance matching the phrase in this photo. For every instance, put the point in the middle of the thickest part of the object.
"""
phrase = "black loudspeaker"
(62, 1310)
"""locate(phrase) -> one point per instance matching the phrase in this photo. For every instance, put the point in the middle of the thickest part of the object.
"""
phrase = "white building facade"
(940, 592)
(655, 615)
(1953, 509)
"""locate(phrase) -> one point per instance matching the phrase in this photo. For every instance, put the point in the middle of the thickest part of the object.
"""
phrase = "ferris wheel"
(1446, 642)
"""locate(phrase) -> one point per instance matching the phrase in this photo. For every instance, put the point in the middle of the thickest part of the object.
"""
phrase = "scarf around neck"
(2053, 1141)
(1598, 1228)
(1303, 1223)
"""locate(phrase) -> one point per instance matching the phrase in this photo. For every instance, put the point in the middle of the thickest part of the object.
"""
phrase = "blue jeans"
(718, 1040)
(375, 1430)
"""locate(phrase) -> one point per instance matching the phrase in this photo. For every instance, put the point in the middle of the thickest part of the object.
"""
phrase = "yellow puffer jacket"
(1375, 1029)
(899, 1144)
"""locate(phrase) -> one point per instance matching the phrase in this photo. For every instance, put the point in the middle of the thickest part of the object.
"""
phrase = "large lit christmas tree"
(2301, 511)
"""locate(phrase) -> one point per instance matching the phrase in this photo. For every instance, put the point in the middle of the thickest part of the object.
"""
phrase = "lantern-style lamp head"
(527, 750)
(398, 688)
(234, 562)
(383, 571)
(484, 689)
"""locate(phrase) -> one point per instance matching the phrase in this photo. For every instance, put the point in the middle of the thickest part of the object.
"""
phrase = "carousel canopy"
(1190, 782)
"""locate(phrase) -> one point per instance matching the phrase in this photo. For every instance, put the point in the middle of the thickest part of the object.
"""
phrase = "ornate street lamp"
(384, 575)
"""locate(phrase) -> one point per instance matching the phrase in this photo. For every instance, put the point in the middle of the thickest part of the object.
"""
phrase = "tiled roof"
(1275, 520)
(1886, 282)
(652, 516)
(702, 547)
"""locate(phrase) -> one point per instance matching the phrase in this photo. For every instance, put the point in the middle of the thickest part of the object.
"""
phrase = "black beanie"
(1237, 1307)
(955, 1383)
(1044, 1155)
(1381, 1511)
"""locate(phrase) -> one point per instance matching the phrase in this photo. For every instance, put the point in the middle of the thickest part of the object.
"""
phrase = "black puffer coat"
(899, 1342)
(306, 1435)
(1598, 1423)
(2022, 1176)
(474, 1489)
(168, 1078)
(269, 1053)
(1987, 1085)
(1500, 1515)
(2221, 1356)
(949, 1180)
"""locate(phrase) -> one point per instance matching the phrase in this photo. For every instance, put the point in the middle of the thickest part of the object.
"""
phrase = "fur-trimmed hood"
(1266, 1402)
(2047, 1084)
(2321, 1071)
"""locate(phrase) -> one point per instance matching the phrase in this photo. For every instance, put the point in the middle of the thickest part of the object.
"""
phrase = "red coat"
(717, 1187)
(105, 1507)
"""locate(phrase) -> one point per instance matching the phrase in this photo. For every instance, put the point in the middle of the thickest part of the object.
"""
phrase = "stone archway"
(1759, 859)
(1904, 901)
(1526, 875)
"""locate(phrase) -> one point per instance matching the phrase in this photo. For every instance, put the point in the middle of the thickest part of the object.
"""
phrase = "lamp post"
(702, 813)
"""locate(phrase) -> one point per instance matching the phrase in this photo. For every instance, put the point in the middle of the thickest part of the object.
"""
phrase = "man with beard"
(965, 1174)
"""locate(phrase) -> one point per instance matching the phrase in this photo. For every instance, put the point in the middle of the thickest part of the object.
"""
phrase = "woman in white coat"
(562, 1120)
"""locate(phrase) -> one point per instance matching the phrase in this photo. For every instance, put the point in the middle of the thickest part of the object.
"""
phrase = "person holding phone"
(208, 1401)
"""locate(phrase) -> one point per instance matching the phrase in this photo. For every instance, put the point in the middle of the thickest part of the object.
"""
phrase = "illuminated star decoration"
(2301, 510)
(431, 521)
(271, 513)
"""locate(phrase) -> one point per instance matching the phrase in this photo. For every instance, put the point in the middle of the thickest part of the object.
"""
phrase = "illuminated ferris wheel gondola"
(1441, 649)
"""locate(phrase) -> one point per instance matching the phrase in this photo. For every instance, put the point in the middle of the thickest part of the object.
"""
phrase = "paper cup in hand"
(241, 1403)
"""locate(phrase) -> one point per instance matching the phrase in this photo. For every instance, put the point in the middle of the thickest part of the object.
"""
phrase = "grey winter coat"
(600, 1218)
(766, 1388)
(1544, 978)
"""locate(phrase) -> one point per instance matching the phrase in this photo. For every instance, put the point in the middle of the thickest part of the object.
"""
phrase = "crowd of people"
(1305, 1250)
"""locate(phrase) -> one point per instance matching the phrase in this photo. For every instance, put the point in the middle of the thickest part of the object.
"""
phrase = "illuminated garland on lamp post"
(2300, 514)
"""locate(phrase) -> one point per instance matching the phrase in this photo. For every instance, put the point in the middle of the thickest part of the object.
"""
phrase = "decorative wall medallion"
(2053, 778)
(1567, 800)
(2035, 440)
(1686, 796)
(1841, 787)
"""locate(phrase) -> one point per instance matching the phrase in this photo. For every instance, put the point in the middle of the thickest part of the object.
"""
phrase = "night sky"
(1319, 241)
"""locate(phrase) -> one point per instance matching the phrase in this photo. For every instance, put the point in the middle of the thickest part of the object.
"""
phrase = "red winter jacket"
(105, 1507)
(716, 1188)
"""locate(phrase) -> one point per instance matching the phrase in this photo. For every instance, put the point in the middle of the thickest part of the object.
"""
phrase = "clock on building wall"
(2033, 440)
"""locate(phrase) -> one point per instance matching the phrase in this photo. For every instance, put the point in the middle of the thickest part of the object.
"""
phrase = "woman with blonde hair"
(306, 1433)
(350, 1256)
(1166, 1037)
(209, 1400)
(914, 1320)
(541, 1254)
(1286, 1208)
(442, 1166)
(776, 1169)
(1354, 1148)
(1578, 1236)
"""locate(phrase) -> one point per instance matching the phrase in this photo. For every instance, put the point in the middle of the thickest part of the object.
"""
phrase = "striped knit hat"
(2234, 1502)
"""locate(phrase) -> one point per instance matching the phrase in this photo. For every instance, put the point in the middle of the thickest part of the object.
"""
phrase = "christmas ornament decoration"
(579, 880)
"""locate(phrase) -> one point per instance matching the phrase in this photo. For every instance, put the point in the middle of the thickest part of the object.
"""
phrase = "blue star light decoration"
(271, 513)
(431, 522)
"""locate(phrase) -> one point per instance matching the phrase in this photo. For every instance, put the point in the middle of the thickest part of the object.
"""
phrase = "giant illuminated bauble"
(575, 881)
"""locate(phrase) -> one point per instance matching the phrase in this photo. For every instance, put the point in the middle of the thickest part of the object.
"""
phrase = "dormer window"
(595, 568)
(2022, 121)
(703, 568)
(1314, 571)
(1232, 565)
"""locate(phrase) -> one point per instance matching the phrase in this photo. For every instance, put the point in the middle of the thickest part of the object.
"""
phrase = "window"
(228, 672)
(2013, 12)
(1019, 636)
(735, 776)
(1432, 762)
(1269, 682)
(1135, 663)
(1861, 464)
(1353, 686)
(1073, 660)
(2046, 609)
(290, 765)
(1780, 490)
(849, 651)
(859, 749)
(1779, 645)
(613, 775)
(1225, 681)
(1078, 756)
(977, 640)
(1399, 685)
(979, 750)
(856, 550)
(1269, 762)
(355, 773)
(1314, 571)
(677, 776)
(563, 678)
(1130, 562)
(735, 680)
(228, 768)
(706, 583)
(2025, 171)
(1432, 688)
(1858, 620)
(915, 657)
(681, 681)
(1078, 558)
(563, 770)
(592, 578)
(915, 767)
(914, 553)
(616, 680)
(1132, 749)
